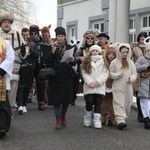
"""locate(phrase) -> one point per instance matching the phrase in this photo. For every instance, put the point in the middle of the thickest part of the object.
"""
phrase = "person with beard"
(123, 72)
(16, 40)
(138, 49)
(6, 67)
(143, 67)
(61, 87)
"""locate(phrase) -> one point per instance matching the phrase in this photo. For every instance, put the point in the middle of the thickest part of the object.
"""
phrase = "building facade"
(109, 16)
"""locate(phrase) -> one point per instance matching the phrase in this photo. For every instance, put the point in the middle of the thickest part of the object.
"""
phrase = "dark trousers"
(75, 86)
(40, 83)
(60, 109)
(22, 95)
(5, 115)
(93, 100)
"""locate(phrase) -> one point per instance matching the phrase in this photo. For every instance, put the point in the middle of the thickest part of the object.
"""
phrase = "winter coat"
(137, 52)
(16, 43)
(99, 73)
(26, 71)
(60, 87)
(144, 83)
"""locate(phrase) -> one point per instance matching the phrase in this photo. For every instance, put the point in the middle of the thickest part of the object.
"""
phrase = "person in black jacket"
(29, 54)
(61, 87)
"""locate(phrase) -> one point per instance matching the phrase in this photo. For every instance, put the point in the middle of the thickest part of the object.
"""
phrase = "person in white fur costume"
(95, 74)
(123, 72)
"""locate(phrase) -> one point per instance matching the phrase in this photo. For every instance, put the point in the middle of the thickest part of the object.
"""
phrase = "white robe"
(7, 64)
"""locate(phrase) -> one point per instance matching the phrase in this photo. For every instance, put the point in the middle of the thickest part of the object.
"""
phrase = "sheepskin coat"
(99, 73)
(144, 83)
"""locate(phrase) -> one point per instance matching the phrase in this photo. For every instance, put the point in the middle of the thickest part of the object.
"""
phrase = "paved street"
(35, 131)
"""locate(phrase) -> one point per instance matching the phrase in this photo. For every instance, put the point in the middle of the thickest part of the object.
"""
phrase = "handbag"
(47, 73)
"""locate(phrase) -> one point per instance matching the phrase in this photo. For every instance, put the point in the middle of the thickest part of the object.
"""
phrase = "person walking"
(61, 87)
(138, 50)
(29, 53)
(107, 111)
(94, 75)
(16, 40)
(143, 67)
(123, 73)
(6, 67)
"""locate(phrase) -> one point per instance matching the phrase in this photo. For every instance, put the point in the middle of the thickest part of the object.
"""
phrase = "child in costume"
(107, 106)
(123, 72)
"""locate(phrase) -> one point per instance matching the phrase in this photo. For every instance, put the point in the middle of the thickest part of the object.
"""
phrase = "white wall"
(135, 4)
(81, 12)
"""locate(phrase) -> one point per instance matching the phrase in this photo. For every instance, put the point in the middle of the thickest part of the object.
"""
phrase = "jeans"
(60, 109)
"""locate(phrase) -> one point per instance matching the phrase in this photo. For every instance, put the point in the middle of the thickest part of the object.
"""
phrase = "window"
(132, 37)
(132, 29)
(146, 21)
(98, 25)
(132, 23)
(72, 32)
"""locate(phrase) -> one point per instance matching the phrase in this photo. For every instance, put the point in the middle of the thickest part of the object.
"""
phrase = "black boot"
(146, 123)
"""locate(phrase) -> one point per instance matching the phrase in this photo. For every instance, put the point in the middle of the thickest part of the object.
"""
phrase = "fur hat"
(60, 31)
(88, 33)
(34, 28)
(104, 35)
(95, 47)
(45, 29)
(6, 16)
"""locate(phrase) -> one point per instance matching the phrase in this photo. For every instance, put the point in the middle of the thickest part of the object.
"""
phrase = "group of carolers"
(106, 70)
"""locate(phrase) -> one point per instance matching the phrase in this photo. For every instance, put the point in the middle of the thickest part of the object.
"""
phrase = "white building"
(118, 18)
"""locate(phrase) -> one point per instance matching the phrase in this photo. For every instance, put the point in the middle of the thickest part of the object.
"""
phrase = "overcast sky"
(46, 12)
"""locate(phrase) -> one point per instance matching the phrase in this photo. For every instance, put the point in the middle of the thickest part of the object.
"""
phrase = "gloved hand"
(2, 72)
(148, 68)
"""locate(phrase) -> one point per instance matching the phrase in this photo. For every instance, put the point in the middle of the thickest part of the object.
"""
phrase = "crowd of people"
(111, 73)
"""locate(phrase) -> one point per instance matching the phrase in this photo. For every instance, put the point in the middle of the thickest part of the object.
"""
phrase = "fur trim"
(88, 34)
(45, 28)
(15, 77)
(6, 16)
